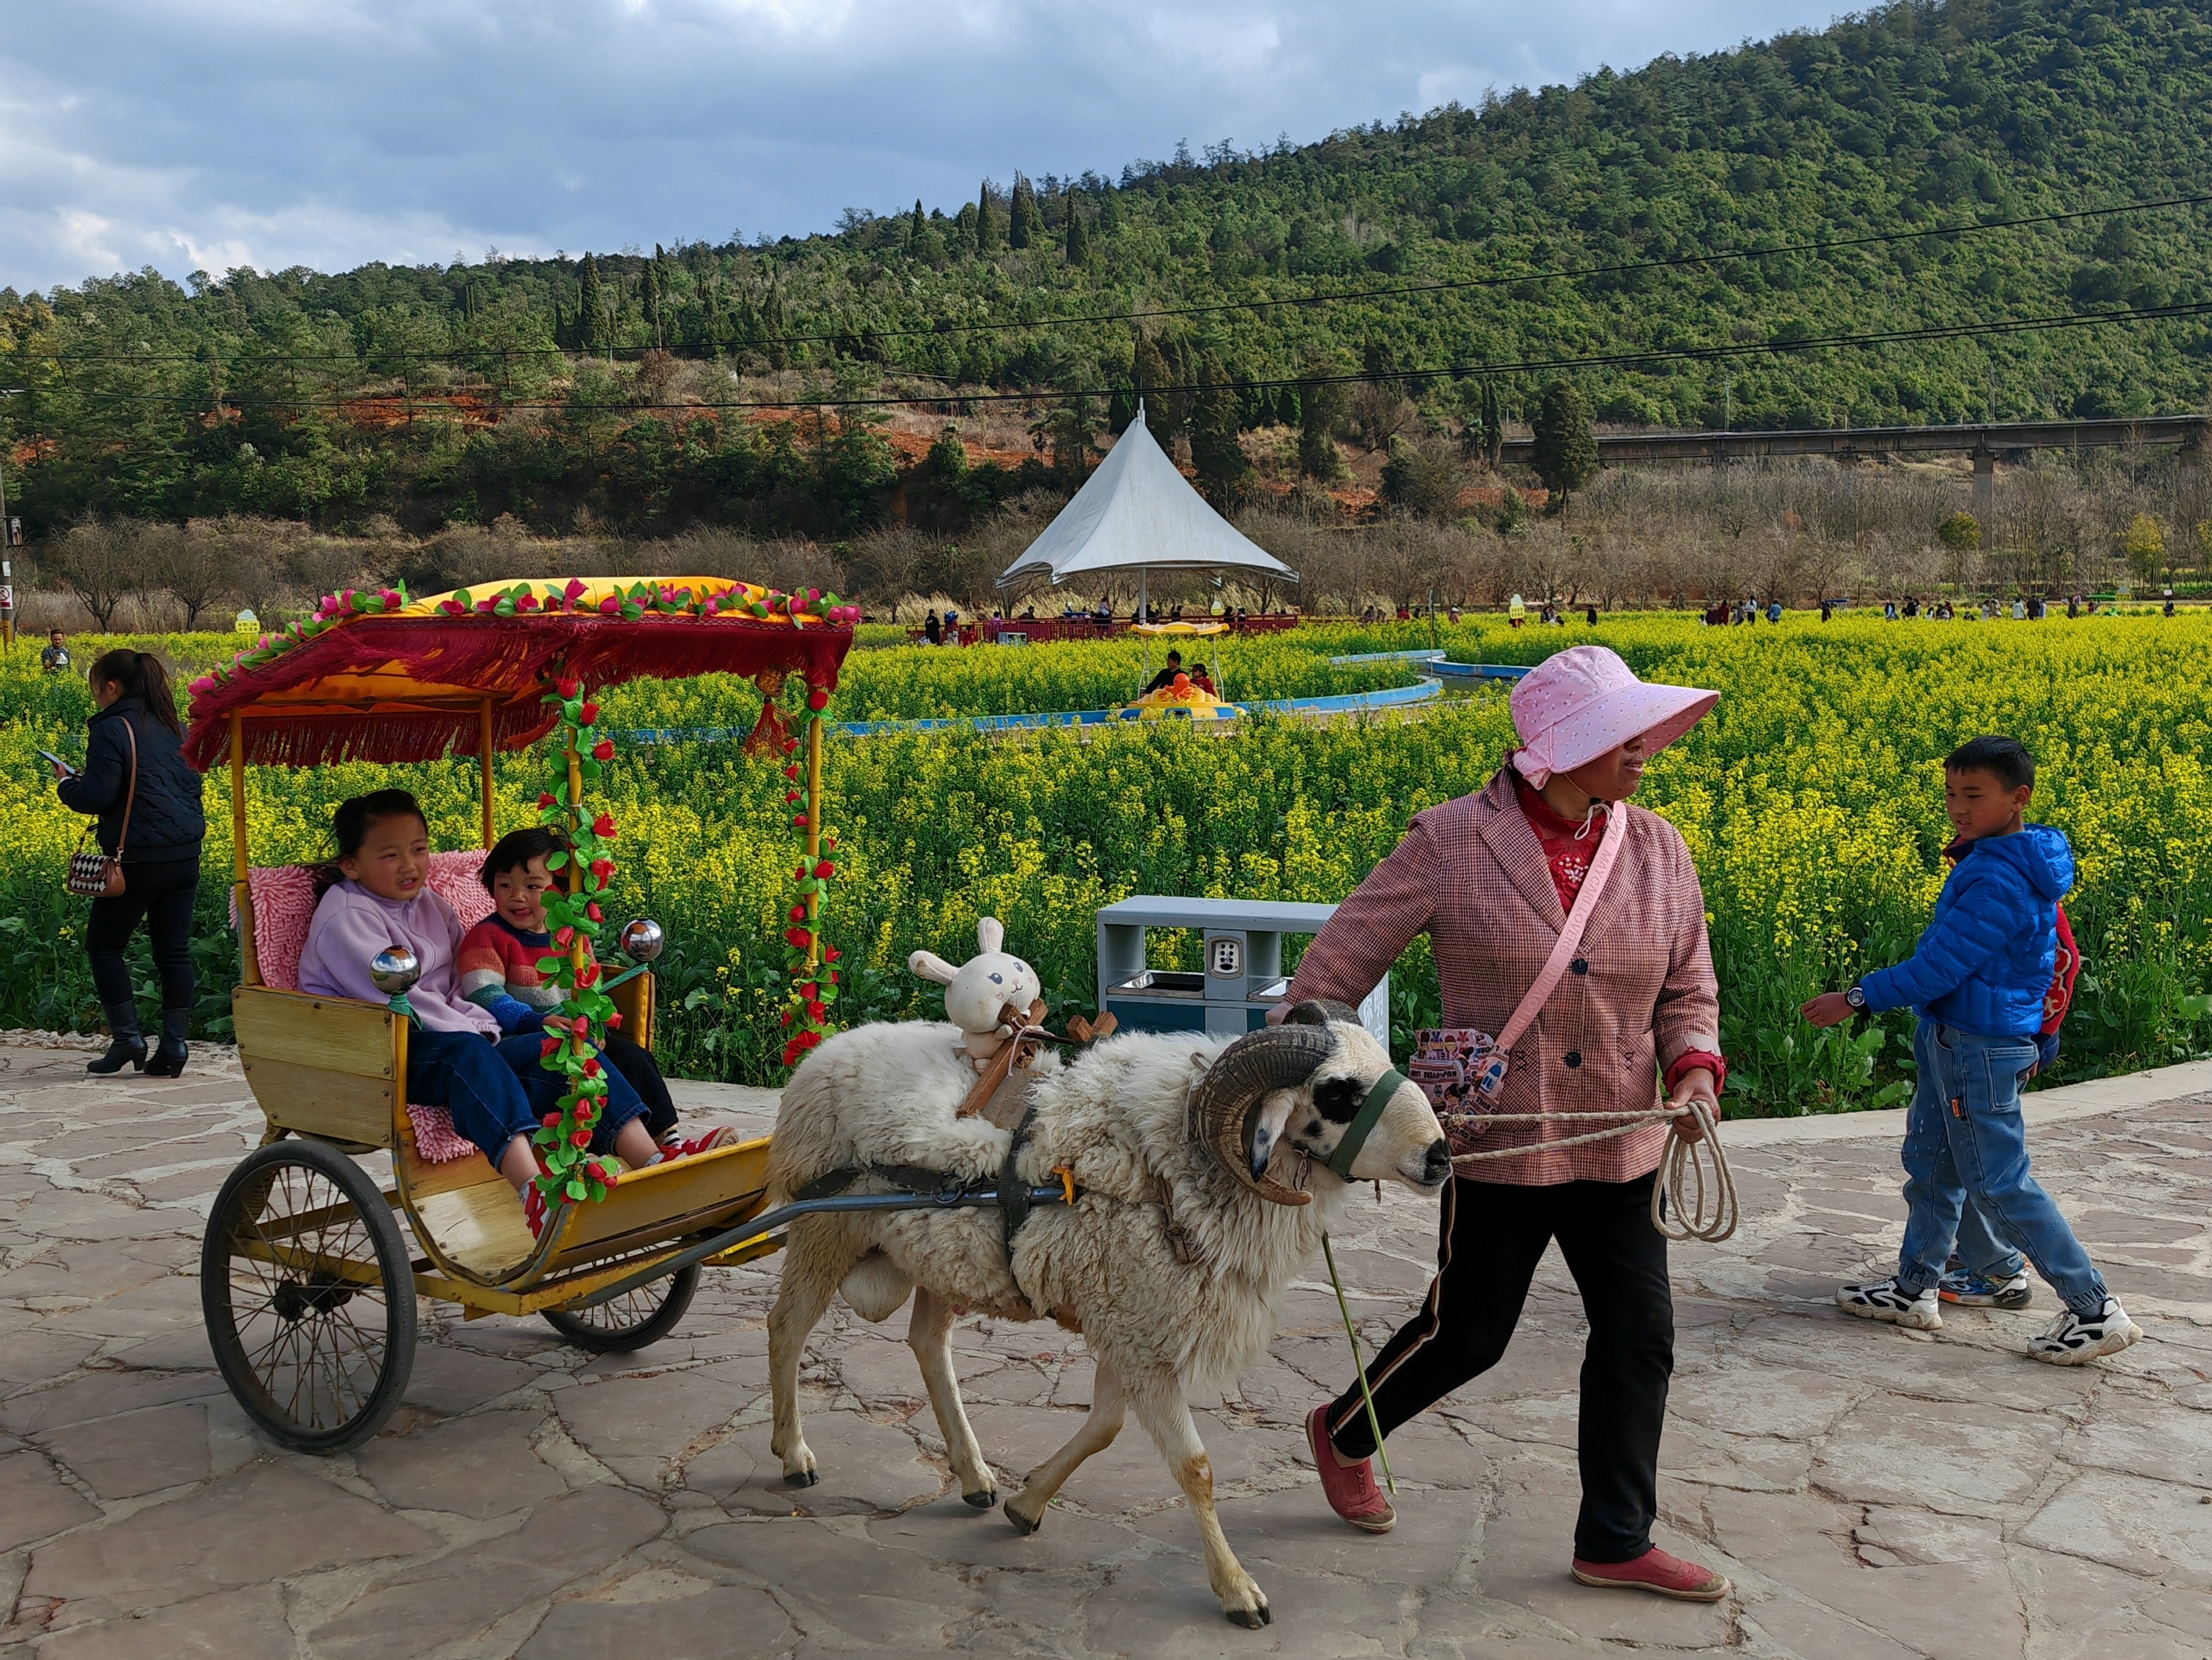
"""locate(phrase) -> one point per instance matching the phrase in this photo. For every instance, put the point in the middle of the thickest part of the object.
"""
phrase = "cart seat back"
(284, 903)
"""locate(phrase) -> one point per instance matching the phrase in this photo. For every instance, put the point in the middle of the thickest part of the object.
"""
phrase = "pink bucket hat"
(1580, 703)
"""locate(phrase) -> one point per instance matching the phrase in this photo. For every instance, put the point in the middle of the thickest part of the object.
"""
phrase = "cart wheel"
(309, 1297)
(631, 1320)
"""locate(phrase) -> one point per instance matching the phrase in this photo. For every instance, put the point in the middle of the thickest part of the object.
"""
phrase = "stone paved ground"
(1873, 1492)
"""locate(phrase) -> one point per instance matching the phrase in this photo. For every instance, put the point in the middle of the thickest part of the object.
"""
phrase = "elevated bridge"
(1984, 441)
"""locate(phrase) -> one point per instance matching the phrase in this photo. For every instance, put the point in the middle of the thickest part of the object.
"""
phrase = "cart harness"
(919, 1188)
(1014, 1197)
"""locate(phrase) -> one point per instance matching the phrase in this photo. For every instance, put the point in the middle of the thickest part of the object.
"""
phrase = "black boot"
(128, 1046)
(169, 1059)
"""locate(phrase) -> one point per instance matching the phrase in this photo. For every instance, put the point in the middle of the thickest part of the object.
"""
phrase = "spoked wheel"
(309, 1297)
(631, 1320)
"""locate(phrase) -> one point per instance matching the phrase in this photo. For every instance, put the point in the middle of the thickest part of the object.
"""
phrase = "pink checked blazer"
(1471, 875)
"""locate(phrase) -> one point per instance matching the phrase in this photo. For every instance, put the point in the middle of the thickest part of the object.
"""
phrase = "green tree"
(1491, 426)
(1223, 469)
(1152, 376)
(986, 222)
(915, 225)
(2144, 544)
(1024, 220)
(1566, 452)
(1961, 533)
(1322, 406)
(1078, 238)
(591, 307)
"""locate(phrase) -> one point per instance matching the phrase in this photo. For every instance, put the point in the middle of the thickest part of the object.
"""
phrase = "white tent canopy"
(1137, 513)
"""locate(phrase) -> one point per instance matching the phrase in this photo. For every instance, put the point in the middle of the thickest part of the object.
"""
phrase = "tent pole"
(1143, 616)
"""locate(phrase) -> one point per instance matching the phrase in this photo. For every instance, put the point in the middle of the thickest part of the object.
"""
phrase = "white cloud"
(328, 132)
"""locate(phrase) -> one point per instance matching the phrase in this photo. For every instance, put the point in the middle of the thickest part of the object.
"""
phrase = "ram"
(1204, 1180)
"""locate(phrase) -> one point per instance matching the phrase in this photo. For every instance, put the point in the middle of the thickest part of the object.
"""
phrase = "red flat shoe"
(1657, 1572)
(1349, 1487)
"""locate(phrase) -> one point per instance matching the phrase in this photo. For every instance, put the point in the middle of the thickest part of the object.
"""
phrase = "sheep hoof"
(1251, 1618)
(1021, 1524)
(981, 1500)
(801, 1478)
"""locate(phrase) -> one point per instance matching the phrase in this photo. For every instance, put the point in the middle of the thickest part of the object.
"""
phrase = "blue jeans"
(475, 1081)
(544, 1089)
(1965, 1139)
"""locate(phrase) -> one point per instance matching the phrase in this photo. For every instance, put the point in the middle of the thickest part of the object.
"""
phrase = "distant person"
(1453, 614)
(1978, 980)
(1913, 606)
(932, 630)
(2169, 602)
(1827, 610)
(1590, 615)
(1889, 611)
(55, 659)
(1166, 677)
(2073, 607)
(2020, 610)
(1774, 610)
(146, 802)
(1203, 681)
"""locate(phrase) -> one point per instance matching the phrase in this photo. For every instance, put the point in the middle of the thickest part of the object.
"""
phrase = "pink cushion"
(284, 903)
(436, 1140)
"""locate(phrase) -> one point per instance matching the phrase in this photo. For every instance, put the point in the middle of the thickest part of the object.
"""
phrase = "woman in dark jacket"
(159, 849)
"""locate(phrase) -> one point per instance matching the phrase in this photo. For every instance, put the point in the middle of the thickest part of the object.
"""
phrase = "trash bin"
(1243, 975)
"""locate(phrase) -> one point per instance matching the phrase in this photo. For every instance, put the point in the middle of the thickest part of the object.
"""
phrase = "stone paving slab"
(1873, 1492)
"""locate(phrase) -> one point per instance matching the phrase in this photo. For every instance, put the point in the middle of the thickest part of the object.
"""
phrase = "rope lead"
(1701, 1166)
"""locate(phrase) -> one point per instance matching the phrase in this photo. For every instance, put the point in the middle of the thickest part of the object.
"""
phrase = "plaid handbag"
(97, 875)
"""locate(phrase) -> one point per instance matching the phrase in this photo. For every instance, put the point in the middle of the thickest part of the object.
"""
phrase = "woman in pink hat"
(1496, 880)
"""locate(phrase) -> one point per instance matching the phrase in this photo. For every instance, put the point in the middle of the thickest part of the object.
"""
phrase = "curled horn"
(1225, 1101)
(1319, 1011)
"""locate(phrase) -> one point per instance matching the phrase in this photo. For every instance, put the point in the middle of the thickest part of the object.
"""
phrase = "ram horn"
(1319, 1011)
(1225, 1103)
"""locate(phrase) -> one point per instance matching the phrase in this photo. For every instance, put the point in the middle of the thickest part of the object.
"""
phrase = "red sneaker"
(1658, 1572)
(679, 1147)
(1350, 1487)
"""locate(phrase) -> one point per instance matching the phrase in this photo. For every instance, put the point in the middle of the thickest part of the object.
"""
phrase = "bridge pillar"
(1985, 486)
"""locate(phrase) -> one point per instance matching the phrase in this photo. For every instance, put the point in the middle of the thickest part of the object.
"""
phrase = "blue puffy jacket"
(1986, 960)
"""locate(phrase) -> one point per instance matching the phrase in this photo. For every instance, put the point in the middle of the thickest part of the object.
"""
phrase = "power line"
(2055, 322)
(1568, 273)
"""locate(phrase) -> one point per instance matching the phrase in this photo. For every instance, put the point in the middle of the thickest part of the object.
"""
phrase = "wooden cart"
(323, 1238)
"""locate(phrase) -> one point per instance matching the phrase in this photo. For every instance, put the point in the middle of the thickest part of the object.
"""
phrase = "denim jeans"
(1965, 1139)
(544, 1089)
(475, 1081)
(1979, 1250)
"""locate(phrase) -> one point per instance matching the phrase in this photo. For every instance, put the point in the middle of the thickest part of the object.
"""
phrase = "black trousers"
(1492, 1237)
(162, 894)
(643, 1073)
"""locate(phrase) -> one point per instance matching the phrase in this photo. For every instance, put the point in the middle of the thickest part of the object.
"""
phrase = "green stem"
(1359, 1364)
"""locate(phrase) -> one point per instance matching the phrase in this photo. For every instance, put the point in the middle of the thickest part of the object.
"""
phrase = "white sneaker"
(2074, 1339)
(1882, 1300)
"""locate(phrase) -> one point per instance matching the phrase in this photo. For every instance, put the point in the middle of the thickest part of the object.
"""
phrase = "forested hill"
(242, 393)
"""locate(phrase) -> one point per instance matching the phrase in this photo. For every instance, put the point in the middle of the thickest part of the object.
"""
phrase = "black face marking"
(1338, 1100)
(1312, 1127)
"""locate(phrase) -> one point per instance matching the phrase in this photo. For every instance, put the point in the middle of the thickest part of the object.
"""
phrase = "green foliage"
(1961, 532)
(2144, 544)
(1222, 467)
(241, 394)
(1565, 451)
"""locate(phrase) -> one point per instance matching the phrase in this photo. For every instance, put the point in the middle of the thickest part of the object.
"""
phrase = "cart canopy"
(376, 676)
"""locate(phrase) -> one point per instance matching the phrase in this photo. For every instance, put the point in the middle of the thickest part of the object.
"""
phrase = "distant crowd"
(1727, 613)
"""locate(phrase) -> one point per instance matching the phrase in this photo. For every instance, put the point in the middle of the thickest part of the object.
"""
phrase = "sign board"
(247, 623)
(14, 531)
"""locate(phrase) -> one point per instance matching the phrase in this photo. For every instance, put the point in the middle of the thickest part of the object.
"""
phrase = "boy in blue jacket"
(1977, 979)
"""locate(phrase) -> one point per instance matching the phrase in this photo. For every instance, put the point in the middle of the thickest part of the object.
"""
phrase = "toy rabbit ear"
(930, 967)
(989, 934)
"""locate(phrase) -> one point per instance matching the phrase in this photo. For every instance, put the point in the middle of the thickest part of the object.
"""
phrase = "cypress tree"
(914, 226)
(1025, 221)
(1149, 369)
(1079, 238)
(591, 305)
(1492, 427)
(650, 290)
(1321, 412)
(1222, 467)
(1565, 451)
(986, 222)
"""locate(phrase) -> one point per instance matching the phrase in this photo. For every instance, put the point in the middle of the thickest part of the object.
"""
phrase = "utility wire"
(2047, 323)
(1567, 273)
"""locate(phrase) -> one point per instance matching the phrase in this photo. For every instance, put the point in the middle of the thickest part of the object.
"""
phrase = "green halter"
(1371, 1111)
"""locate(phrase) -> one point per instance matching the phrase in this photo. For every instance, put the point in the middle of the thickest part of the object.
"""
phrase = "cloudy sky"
(208, 134)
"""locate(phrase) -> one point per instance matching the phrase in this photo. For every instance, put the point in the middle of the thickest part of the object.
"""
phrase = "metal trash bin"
(1243, 975)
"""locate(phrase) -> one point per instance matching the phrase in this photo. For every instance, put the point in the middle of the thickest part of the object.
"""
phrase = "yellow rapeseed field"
(1811, 798)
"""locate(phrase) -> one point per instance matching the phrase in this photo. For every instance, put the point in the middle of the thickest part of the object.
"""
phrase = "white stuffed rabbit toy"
(979, 992)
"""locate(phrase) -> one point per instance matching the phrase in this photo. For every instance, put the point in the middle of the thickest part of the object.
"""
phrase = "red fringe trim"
(511, 659)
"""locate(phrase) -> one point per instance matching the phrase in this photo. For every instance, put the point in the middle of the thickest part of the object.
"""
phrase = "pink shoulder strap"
(1571, 937)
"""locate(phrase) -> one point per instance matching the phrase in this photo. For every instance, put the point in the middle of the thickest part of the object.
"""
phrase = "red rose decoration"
(603, 869)
(825, 869)
(831, 952)
(544, 800)
(791, 795)
(588, 715)
(568, 687)
(614, 1022)
(565, 938)
(792, 770)
(548, 1047)
(552, 1121)
(817, 699)
(580, 1138)
(592, 1067)
(593, 911)
(815, 1011)
(604, 749)
(604, 827)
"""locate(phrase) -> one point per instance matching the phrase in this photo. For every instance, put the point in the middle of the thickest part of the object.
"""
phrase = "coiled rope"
(1695, 1182)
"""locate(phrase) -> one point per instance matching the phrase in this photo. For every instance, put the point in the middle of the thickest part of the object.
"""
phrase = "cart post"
(241, 887)
(483, 746)
(576, 952)
(814, 839)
